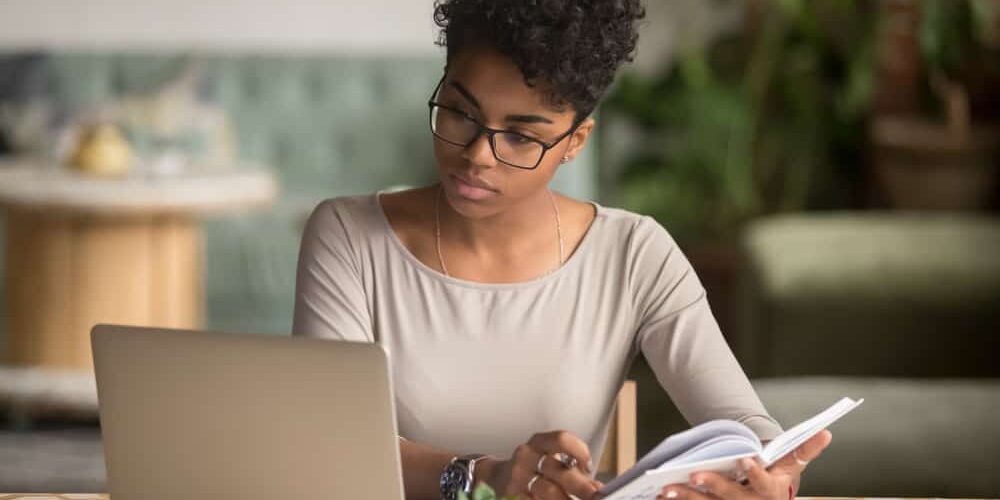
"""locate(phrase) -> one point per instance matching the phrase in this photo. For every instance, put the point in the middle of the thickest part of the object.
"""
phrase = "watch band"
(459, 476)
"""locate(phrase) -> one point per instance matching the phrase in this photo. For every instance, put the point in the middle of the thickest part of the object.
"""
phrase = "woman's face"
(488, 87)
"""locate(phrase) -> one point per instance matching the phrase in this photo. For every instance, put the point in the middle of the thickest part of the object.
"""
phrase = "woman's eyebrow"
(527, 119)
(509, 118)
(465, 93)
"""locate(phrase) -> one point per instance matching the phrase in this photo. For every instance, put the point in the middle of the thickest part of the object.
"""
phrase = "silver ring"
(531, 482)
(795, 455)
(568, 461)
(541, 460)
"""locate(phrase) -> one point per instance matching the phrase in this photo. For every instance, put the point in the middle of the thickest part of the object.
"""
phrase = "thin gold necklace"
(437, 231)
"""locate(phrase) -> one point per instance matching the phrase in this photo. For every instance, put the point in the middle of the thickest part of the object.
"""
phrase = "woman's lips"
(465, 189)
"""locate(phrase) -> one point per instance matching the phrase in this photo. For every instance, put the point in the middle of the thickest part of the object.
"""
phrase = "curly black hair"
(570, 49)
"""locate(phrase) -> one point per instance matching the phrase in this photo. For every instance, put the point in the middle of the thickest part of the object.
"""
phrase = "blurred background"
(829, 167)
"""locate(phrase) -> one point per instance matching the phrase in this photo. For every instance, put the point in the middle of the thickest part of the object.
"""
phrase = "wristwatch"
(458, 476)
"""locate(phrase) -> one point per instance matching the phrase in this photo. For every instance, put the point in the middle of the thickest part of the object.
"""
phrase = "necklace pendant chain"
(437, 231)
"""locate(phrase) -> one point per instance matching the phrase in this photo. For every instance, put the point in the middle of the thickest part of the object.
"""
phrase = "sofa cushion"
(889, 294)
(911, 437)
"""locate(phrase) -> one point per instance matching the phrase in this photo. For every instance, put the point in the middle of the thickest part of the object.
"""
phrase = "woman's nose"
(479, 151)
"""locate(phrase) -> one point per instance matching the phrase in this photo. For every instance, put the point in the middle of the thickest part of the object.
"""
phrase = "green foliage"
(947, 34)
(482, 491)
(753, 123)
(959, 48)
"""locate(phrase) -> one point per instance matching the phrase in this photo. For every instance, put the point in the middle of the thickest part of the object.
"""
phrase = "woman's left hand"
(771, 484)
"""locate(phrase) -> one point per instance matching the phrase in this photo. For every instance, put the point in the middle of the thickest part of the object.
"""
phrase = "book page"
(678, 444)
(726, 445)
(649, 485)
(713, 446)
(794, 437)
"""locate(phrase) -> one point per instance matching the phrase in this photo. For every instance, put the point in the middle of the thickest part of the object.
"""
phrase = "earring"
(565, 159)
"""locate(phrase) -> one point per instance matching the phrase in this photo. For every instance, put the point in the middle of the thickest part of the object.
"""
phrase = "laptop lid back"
(189, 414)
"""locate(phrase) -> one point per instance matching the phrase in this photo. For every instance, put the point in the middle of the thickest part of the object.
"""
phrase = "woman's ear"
(578, 139)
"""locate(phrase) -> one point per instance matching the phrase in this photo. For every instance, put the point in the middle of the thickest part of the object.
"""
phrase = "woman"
(507, 310)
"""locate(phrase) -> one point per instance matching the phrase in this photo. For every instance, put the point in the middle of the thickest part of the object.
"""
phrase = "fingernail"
(698, 481)
(590, 465)
(672, 494)
(747, 464)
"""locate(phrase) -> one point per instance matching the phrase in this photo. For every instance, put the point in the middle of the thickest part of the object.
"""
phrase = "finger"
(764, 482)
(563, 441)
(717, 485)
(544, 489)
(526, 459)
(682, 492)
(522, 469)
(811, 449)
(573, 481)
(806, 452)
(759, 479)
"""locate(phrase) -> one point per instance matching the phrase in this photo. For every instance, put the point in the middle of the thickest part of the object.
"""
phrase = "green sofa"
(902, 309)
(906, 295)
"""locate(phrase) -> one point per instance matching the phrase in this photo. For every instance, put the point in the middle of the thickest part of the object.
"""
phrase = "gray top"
(480, 367)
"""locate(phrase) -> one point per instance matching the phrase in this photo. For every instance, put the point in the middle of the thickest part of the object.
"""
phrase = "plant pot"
(923, 165)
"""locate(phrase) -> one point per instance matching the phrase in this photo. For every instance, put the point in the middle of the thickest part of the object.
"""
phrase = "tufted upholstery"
(328, 126)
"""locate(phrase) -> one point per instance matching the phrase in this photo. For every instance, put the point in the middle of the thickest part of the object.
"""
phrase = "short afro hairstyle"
(570, 49)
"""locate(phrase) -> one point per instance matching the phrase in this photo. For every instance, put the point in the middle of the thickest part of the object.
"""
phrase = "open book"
(716, 446)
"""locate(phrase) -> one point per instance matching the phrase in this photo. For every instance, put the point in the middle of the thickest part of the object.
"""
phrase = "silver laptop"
(200, 415)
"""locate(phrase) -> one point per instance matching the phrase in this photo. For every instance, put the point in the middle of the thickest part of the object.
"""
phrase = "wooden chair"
(620, 447)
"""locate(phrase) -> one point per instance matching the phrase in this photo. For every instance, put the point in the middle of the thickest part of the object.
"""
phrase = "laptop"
(200, 415)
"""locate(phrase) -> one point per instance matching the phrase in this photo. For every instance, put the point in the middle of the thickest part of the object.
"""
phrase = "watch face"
(454, 479)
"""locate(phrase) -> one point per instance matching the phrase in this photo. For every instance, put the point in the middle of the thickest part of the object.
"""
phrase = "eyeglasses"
(456, 127)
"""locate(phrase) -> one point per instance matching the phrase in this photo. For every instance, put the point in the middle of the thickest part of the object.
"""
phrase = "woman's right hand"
(554, 481)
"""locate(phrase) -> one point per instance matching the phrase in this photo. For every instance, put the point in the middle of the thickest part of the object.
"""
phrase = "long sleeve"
(330, 300)
(681, 340)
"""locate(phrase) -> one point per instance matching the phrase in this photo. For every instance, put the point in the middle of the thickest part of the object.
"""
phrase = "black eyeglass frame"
(491, 132)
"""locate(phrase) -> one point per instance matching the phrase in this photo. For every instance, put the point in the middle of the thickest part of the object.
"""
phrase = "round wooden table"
(82, 250)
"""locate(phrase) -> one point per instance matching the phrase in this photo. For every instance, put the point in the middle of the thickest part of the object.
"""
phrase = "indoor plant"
(938, 148)
(766, 120)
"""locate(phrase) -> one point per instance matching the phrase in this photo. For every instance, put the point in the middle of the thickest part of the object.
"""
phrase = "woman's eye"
(527, 135)
(517, 140)
(464, 113)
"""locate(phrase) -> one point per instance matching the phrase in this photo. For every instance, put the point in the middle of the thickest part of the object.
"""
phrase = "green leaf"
(483, 492)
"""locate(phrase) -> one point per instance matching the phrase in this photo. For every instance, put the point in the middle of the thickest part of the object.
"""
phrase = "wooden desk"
(83, 250)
